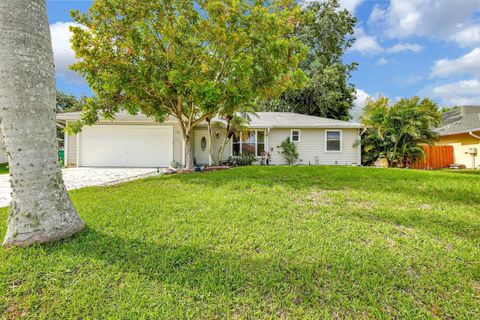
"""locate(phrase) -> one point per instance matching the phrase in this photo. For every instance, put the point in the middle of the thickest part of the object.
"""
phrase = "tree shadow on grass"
(263, 283)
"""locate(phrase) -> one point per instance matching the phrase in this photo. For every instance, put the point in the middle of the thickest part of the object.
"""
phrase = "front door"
(201, 146)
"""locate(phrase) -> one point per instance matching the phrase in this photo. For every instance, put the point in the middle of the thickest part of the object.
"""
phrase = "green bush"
(289, 151)
(241, 160)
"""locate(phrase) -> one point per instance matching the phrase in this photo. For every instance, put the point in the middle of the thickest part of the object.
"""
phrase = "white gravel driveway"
(76, 178)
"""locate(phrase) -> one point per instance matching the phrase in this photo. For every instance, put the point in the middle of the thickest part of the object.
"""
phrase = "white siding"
(217, 143)
(71, 151)
(311, 147)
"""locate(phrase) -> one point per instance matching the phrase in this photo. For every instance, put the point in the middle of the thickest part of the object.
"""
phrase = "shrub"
(289, 151)
(241, 160)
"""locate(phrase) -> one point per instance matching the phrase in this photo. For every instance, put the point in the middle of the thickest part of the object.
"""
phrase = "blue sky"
(429, 48)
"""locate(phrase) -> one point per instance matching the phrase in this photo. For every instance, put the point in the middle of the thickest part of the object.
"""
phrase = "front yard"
(260, 242)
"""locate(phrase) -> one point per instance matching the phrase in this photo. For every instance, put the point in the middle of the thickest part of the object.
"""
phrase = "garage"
(126, 146)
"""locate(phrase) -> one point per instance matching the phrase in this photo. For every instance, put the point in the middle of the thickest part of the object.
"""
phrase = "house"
(138, 141)
(461, 129)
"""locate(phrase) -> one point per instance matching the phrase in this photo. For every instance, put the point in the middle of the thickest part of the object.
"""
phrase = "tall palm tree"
(41, 210)
(398, 132)
(235, 126)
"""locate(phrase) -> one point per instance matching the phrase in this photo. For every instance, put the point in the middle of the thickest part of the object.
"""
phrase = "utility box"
(472, 151)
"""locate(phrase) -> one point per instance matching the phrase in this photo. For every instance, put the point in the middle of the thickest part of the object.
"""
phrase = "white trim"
(184, 161)
(65, 147)
(79, 144)
(172, 150)
(299, 135)
(341, 141)
(359, 147)
(256, 142)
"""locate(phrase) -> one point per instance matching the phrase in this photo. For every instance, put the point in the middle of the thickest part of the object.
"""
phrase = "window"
(254, 144)
(333, 140)
(295, 135)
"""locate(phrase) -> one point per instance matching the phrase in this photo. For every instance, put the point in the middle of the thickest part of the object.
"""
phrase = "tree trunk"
(225, 140)
(188, 152)
(41, 210)
(210, 144)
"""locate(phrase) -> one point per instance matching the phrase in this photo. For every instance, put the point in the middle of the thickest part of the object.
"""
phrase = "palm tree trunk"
(211, 158)
(41, 210)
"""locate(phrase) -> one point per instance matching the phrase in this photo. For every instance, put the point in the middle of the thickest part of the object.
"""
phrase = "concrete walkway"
(76, 178)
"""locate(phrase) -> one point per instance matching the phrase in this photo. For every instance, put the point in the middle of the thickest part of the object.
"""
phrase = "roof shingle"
(460, 120)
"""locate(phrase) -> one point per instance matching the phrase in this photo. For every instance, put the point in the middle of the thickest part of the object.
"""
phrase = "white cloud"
(63, 54)
(359, 102)
(459, 93)
(447, 20)
(382, 61)
(412, 79)
(365, 44)
(350, 5)
(470, 36)
(467, 64)
(376, 15)
(400, 47)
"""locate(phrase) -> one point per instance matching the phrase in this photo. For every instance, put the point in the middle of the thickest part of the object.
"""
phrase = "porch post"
(210, 147)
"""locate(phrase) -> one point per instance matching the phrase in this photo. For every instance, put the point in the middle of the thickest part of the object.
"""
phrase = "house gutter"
(474, 135)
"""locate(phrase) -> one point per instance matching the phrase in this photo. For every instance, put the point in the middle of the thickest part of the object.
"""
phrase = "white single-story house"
(138, 141)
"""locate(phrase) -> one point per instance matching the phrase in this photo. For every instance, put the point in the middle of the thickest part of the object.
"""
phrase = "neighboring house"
(461, 129)
(138, 141)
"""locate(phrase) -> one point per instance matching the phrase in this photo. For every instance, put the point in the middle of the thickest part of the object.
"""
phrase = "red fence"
(437, 157)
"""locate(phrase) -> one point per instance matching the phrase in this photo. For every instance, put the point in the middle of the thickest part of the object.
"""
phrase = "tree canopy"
(69, 103)
(328, 32)
(187, 59)
(397, 132)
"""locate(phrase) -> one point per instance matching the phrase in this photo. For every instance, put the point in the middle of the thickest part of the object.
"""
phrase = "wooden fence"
(437, 157)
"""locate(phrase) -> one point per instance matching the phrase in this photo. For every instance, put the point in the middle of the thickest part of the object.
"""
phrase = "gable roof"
(295, 120)
(460, 120)
(257, 120)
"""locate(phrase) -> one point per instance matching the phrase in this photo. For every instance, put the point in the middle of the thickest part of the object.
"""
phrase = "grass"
(260, 242)
(4, 168)
(464, 171)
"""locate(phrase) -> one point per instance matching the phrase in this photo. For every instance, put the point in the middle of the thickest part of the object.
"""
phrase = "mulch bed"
(203, 169)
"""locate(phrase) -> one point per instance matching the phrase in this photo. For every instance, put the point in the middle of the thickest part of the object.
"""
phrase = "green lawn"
(260, 242)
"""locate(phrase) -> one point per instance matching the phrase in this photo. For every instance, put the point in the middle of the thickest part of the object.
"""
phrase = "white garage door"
(126, 146)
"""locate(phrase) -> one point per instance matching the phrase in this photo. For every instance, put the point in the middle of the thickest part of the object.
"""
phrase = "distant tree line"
(328, 32)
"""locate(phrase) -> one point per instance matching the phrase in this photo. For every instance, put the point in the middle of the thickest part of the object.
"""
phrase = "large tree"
(328, 32)
(397, 132)
(191, 60)
(69, 103)
(41, 210)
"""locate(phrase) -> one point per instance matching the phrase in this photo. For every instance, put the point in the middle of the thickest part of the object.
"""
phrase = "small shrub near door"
(241, 160)
(289, 151)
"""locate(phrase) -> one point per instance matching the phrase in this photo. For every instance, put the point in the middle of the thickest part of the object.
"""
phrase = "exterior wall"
(461, 143)
(178, 144)
(216, 142)
(71, 151)
(311, 147)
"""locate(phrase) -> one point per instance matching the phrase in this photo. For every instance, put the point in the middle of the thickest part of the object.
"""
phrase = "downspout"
(476, 137)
